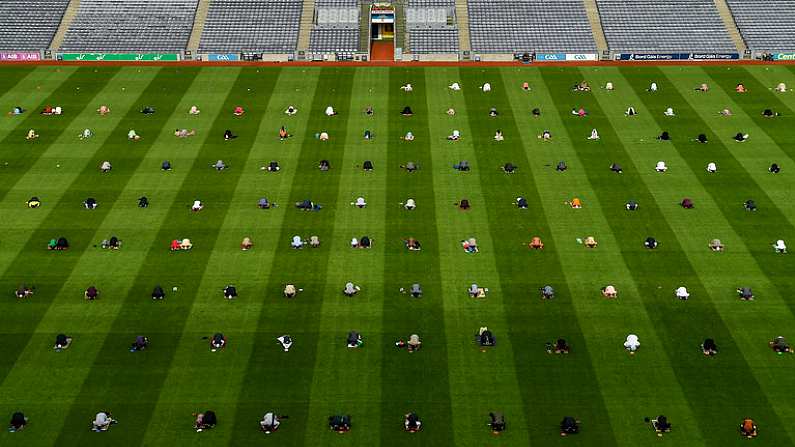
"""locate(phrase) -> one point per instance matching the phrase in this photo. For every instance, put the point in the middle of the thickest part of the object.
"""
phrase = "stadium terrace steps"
(462, 17)
(596, 25)
(364, 28)
(198, 24)
(306, 24)
(66, 22)
(731, 25)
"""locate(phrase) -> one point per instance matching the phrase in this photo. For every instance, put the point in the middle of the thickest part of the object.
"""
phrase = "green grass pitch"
(450, 383)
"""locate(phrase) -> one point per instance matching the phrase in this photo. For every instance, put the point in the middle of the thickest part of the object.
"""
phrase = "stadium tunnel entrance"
(382, 32)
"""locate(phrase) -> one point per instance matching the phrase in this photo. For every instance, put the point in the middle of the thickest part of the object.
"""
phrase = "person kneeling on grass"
(496, 421)
(140, 344)
(18, 422)
(351, 289)
(90, 203)
(547, 292)
(158, 293)
(102, 421)
(91, 293)
(230, 292)
(270, 422)
(412, 345)
(354, 340)
(339, 423)
(521, 203)
(716, 245)
(218, 341)
(560, 347)
(23, 291)
(661, 425)
(709, 347)
(33, 202)
(62, 341)
(205, 421)
(412, 422)
(748, 428)
(745, 293)
(569, 426)
(286, 341)
(609, 291)
(780, 345)
(632, 343)
(485, 337)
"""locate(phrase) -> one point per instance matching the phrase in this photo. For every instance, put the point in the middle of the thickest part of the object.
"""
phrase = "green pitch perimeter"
(450, 382)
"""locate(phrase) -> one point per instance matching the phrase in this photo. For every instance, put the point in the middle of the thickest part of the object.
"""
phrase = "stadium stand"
(430, 25)
(26, 25)
(267, 26)
(518, 26)
(664, 26)
(336, 27)
(766, 25)
(131, 25)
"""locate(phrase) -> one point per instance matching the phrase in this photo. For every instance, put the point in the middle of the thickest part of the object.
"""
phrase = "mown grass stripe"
(34, 265)
(305, 268)
(338, 314)
(594, 329)
(718, 271)
(413, 381)
(699, 320)
(104, 386)
(245, 269)
(73, 95)
(86, 322)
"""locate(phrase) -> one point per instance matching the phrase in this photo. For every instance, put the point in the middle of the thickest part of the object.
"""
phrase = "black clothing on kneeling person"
(143, 202)
(661, 424)
(90, 203)
(631, 205)
(569, 426)
(650, 243)
(158, 293)
(749, 205)
(18, 421)
(509, 168)
(486, 338)
(364, 242)
(701, 138)
(339, 423)
(521, 202)
(774, 168)
(709, 347)
(406, 111)
(230, 292)
(464, 204)
(664, 136)
(228, 135)
(324, 165)
(561, 166)
(497, 421)
(367, 165)
(615, 167)
(140, 343)
(166, 165)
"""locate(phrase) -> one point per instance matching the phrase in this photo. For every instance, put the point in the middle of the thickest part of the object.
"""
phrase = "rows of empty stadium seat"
(337, 40)
(267, 26)
(664, 25)
(766, 25)
(433, 40)
(507, 26)
(29, 25)
(139, 25)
